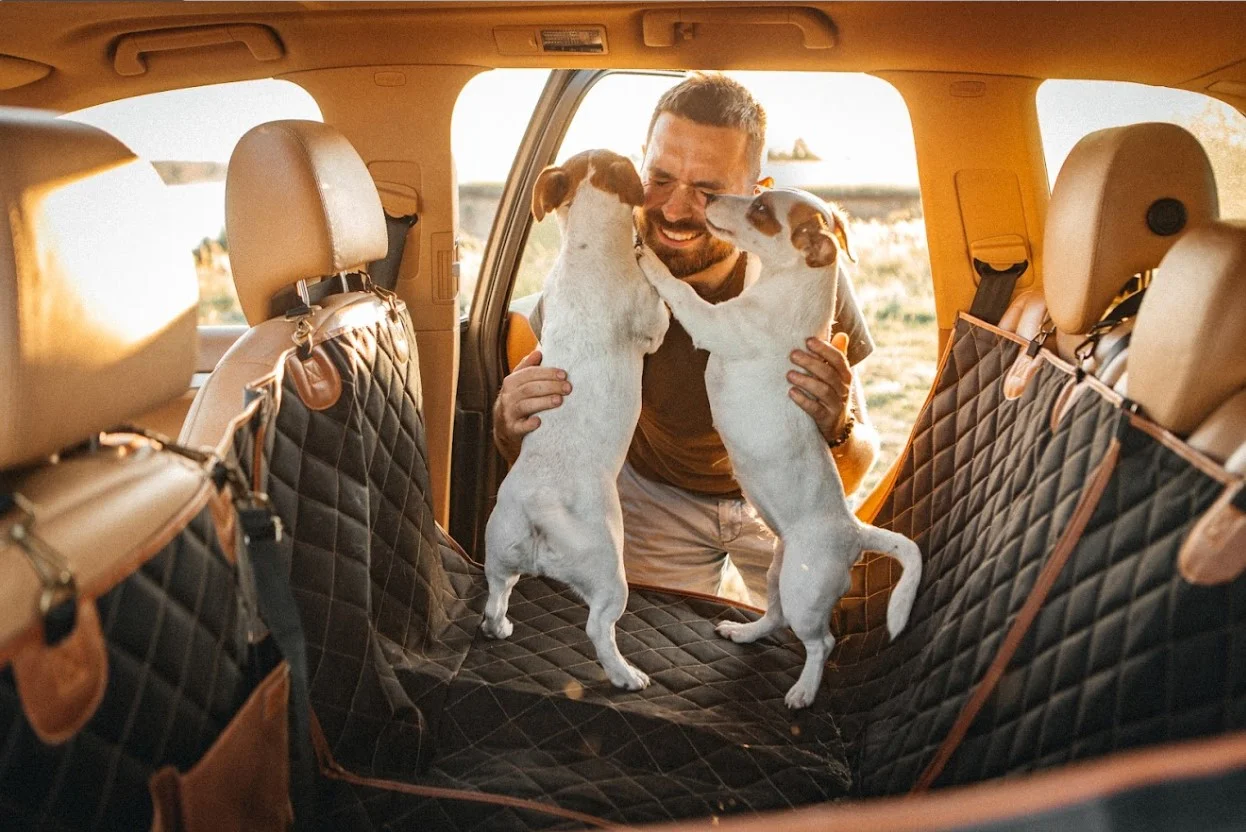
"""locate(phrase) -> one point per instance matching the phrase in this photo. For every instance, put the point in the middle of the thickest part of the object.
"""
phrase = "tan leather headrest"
(1115, 187)
(98, 296)
(1186, 357)
(299, 204)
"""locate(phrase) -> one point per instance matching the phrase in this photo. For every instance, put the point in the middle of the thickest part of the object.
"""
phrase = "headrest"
(1123, 196)
(98, 297)
(1186, 357)
(299, 204)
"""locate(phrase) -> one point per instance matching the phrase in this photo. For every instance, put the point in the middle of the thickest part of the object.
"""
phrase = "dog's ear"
(813, 239)
(841, 232)
(552, 188)
(621, 178)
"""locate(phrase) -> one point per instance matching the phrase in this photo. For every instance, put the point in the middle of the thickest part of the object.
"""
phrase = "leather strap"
(1029, 611)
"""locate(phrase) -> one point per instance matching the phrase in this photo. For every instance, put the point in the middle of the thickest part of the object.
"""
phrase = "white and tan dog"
(779, 456)
(558, 511)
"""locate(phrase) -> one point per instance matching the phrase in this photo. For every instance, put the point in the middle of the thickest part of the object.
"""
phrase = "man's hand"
(528, 390)
(822, 389)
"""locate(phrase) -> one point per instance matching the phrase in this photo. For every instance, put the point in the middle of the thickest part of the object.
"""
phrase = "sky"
(856, 123)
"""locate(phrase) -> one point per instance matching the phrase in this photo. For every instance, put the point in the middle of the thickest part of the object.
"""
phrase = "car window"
(846, 137)
(490, 118)
(188, 135)
(1068, 110)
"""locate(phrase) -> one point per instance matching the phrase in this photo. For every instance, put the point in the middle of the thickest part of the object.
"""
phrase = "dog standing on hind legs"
(779, 456)
(558, 511)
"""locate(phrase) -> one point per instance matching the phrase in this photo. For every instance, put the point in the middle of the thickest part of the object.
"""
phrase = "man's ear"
(814, 240)
(552, 188)
(841, 232)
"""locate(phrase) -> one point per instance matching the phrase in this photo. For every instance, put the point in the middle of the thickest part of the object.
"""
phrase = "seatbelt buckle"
(260, 525)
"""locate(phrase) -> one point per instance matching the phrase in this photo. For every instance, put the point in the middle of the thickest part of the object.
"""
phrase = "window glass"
(1068, 110)
(490, 118)
(847, 138)
(188, 135)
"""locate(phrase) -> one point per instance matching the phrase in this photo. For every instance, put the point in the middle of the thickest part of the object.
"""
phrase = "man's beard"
(682, 261)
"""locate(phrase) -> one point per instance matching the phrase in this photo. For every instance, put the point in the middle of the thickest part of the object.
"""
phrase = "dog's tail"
(904, 593)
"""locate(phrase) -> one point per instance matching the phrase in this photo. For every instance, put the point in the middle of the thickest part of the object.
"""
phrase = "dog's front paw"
(628, 678)
(500, 629)
(735, 631)
(800, 696)
(655, 270)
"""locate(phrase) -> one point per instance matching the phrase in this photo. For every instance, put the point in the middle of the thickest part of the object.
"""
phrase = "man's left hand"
(822, 389)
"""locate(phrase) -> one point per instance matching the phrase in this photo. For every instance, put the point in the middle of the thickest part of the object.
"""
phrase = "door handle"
(260, 40)
(663, 27)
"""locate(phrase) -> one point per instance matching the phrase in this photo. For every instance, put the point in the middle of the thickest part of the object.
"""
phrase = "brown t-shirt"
(675, 441)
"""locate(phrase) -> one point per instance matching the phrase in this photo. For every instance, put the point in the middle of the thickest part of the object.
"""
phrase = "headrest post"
(301, 288)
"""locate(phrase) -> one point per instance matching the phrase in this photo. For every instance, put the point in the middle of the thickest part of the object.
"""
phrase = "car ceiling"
(1190, 45)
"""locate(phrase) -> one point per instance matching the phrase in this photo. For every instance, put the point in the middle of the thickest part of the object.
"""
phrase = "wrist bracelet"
(843, 434)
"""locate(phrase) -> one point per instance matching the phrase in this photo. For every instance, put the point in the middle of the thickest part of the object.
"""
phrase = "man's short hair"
(713, 99)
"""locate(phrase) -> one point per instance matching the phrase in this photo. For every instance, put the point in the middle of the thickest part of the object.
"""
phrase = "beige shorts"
(674, 538)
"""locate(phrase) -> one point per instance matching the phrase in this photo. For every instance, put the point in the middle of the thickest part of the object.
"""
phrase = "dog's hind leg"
(773, 620)
(605, 607)
(809, 615)
(506, 535)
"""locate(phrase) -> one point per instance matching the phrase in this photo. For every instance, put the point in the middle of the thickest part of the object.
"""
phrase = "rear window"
(188, 135)
(1068, 110)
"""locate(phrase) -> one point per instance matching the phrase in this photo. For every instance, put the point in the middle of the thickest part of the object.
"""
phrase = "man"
(685, 522)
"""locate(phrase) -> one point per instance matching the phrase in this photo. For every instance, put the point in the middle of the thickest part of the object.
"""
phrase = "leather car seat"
(300, 206)
(1122, 198)
(131, 687)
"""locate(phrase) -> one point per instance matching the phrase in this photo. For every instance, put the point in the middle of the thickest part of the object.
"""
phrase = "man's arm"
(829, 391)
(857, 454)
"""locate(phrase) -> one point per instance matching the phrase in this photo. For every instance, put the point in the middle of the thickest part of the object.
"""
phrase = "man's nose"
(684, 202)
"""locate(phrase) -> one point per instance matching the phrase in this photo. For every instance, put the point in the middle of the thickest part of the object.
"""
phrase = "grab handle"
(260, 40)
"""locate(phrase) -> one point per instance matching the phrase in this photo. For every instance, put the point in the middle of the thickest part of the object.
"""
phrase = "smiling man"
(686, 524)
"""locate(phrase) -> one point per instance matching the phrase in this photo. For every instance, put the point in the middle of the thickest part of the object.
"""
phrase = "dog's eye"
(760, 208)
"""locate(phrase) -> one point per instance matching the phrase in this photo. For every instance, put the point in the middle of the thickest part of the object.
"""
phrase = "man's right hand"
(528, 390)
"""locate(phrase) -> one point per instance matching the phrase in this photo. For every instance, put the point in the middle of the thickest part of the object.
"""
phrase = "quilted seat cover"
(180, 668)
(406, 689)
(1123, 653)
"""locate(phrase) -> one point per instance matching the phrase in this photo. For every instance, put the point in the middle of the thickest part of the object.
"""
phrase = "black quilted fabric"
(1124, 653)
(986, 491)
(179, 669)
(407, 689)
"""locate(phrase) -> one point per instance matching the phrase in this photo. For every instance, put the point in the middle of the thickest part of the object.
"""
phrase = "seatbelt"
(262, 532)
(263, 536)
(994, 289)
(384, 272)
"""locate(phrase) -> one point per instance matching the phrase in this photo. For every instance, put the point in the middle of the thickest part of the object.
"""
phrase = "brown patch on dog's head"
(616, 175)
(612, 174)
(814, 237)
(761, 215)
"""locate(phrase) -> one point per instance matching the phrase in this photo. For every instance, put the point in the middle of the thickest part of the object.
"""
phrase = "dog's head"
(782, 227)
(608, 172)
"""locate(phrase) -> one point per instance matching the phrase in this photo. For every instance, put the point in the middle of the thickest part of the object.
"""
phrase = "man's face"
(684, 161)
